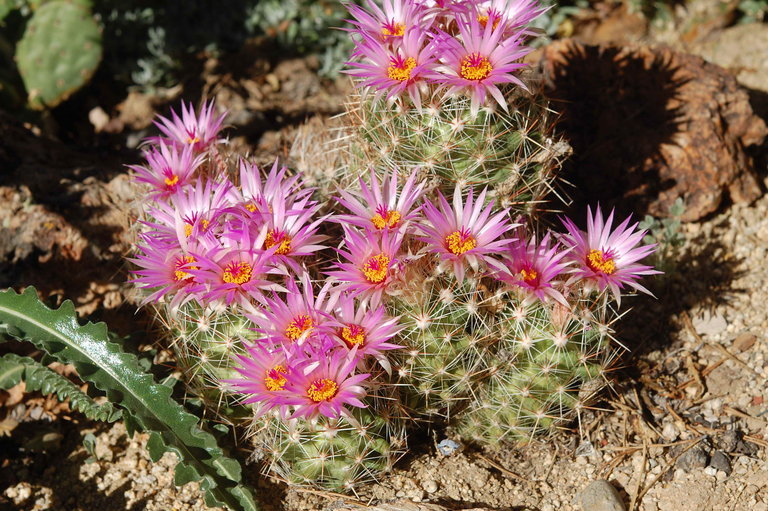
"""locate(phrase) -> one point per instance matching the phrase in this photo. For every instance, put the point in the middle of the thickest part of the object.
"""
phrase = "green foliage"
(148, 43)
(58, 52)
(666, 234)
(753, 10)
(14, 369)
(305, 27)
(147, 406)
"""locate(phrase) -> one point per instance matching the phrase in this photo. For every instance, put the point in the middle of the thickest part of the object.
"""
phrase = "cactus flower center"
(375, 269)
(600, 262)
(322, 390)
(179, 274)
(171, 181)
(529, 276)
(353, 335)
(400, 69)
(188, 228)
(393, 29)
(275, 378)
(300, 324)
(475, 67)
(237, 272)
(251, 207)
(281, 238)
(483, 19)
(459, 242)
(384, 218)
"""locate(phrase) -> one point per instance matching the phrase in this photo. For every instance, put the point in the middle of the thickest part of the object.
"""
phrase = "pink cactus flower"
(197, 130)
(382, 206)
(535, 266)
(395, 72)
(606, 257)
(371, 265)
(168, 169)
(478, 61)
(326, 387)
(465, 234)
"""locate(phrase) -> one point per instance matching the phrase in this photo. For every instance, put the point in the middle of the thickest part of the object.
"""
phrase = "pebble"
(601, 495)
(429, 486)
(744, 341)
(695, 458)
(670, 432)
(710, 324)
(721, 462)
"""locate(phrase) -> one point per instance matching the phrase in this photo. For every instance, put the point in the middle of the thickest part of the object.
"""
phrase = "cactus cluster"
(59, 51)
(418, 288)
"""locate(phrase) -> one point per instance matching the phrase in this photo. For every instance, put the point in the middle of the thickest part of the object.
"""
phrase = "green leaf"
(147, 405)
(14, 368)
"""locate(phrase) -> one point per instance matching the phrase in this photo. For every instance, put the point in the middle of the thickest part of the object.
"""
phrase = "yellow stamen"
(275, 378)
(191, 140)
(188, 228)
(483, 20)
(353, 335)
(401, 72)
(273, 238)
(529, 275)
(391, 219)
(298, 326)
(475, 67)
(179, 274)
(251, 207)
(393, 30)
(322, 390)
(237, 273)
(597, 262)
(171, 181)
(460, 242)
(375, 269)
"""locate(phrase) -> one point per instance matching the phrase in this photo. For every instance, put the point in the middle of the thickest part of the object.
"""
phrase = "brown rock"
(649, 125)
(744, 341)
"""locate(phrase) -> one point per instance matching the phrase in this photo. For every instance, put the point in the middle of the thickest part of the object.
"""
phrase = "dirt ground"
(685, 427)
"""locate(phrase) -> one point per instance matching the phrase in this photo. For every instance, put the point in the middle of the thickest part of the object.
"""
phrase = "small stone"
(429, 486)
(728, 441)
(448, 447)
(669, 432)
(744, 341)
(601, 495)
(695, 458)
(721, 462)
(710, 324)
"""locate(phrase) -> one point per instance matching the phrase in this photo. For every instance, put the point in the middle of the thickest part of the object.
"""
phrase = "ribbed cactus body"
(332, 453)
(496, 364)
(515, 153)
(206, 341)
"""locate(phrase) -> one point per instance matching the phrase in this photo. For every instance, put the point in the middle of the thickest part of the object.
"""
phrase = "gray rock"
(695, 458)
(728, 441)
(720, 461)
(601, 495)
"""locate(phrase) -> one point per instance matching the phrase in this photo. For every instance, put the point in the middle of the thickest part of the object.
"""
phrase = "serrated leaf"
(146, 405)
(14, 368)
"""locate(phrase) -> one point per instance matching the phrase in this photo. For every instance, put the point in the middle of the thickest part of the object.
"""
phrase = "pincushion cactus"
(421, 293)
